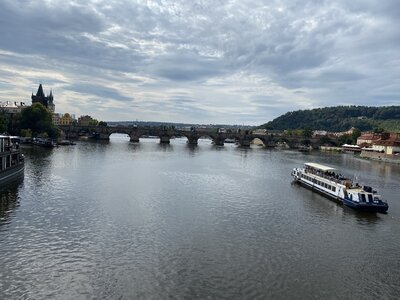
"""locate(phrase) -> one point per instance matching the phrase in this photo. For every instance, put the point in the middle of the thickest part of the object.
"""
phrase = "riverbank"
(390, 158)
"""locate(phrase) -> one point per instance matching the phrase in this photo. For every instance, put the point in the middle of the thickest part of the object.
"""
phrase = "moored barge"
(11, 159)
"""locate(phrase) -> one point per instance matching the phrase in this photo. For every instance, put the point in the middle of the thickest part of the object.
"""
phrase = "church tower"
(47, 101)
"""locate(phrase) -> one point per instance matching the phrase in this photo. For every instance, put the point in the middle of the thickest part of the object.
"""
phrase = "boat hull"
(367, 207)
(319, 191)
(12, 174)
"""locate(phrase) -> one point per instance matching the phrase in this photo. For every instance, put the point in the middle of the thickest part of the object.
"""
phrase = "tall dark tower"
(47, 101)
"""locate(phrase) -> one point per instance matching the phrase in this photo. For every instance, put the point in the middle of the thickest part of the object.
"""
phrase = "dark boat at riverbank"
(11, 159)
(66, 143)
(43, 142)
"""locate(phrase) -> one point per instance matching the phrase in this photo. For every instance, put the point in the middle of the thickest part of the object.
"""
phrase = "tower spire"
(40, 91)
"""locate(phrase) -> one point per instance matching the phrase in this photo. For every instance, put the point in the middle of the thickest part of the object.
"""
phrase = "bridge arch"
(193, 137)
(257, 141)
(206, 137)
(119, 135)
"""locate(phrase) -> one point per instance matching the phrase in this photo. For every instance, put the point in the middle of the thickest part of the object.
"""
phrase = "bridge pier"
(245, 142)
(103, 136)
(134, 138)
(270, 144)
(165, 139)
(193, 140)
(219, 140)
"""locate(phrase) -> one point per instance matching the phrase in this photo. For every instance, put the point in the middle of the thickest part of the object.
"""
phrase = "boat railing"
(338, 178)
(13, 166)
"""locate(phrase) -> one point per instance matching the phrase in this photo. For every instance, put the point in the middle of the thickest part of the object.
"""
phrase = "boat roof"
(350, 146)
(319, 167)
(9, 137)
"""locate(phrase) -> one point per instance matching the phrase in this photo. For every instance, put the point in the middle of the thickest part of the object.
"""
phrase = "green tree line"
(33, 121)
(339, 118)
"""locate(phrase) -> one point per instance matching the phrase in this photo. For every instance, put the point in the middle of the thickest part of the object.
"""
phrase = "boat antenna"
(355, 178)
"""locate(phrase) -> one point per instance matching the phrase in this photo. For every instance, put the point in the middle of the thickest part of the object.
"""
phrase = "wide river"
(119, 220)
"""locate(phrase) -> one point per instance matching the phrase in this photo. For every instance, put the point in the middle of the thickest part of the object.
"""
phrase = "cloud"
(101, 92)
(201, 61)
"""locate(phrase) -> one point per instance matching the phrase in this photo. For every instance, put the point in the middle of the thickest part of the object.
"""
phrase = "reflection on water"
(121, 220)
(9, 200)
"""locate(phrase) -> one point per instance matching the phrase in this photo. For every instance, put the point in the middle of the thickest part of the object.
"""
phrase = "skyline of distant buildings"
(14, 107)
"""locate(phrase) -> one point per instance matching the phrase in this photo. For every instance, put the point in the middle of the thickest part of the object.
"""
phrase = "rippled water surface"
(120, 221)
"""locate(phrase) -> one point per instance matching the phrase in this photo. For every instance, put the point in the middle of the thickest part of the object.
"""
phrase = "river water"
(119, 220)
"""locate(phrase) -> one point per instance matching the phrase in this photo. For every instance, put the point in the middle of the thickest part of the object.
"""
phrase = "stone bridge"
(241, 137)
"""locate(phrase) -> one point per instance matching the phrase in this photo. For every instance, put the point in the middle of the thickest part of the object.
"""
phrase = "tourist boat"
(327, 181)
(11, 159)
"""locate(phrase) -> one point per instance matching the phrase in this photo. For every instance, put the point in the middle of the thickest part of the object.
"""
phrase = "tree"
(26, 133)
(355, 135)
(93, 122)
(345, 139)
(379, 130)
(307, 132)
(38, 119)
(103, 124)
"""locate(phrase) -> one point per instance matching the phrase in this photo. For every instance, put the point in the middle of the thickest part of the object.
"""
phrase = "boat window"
(370, 197)
(334, 189)
(362, 197)
(8, 161)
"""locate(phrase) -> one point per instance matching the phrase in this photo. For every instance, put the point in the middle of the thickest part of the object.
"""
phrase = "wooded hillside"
(340, 118)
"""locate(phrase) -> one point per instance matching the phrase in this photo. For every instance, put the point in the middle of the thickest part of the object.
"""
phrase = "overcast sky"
(208, 61)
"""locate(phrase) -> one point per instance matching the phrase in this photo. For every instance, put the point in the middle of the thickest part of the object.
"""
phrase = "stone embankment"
(381, 156)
